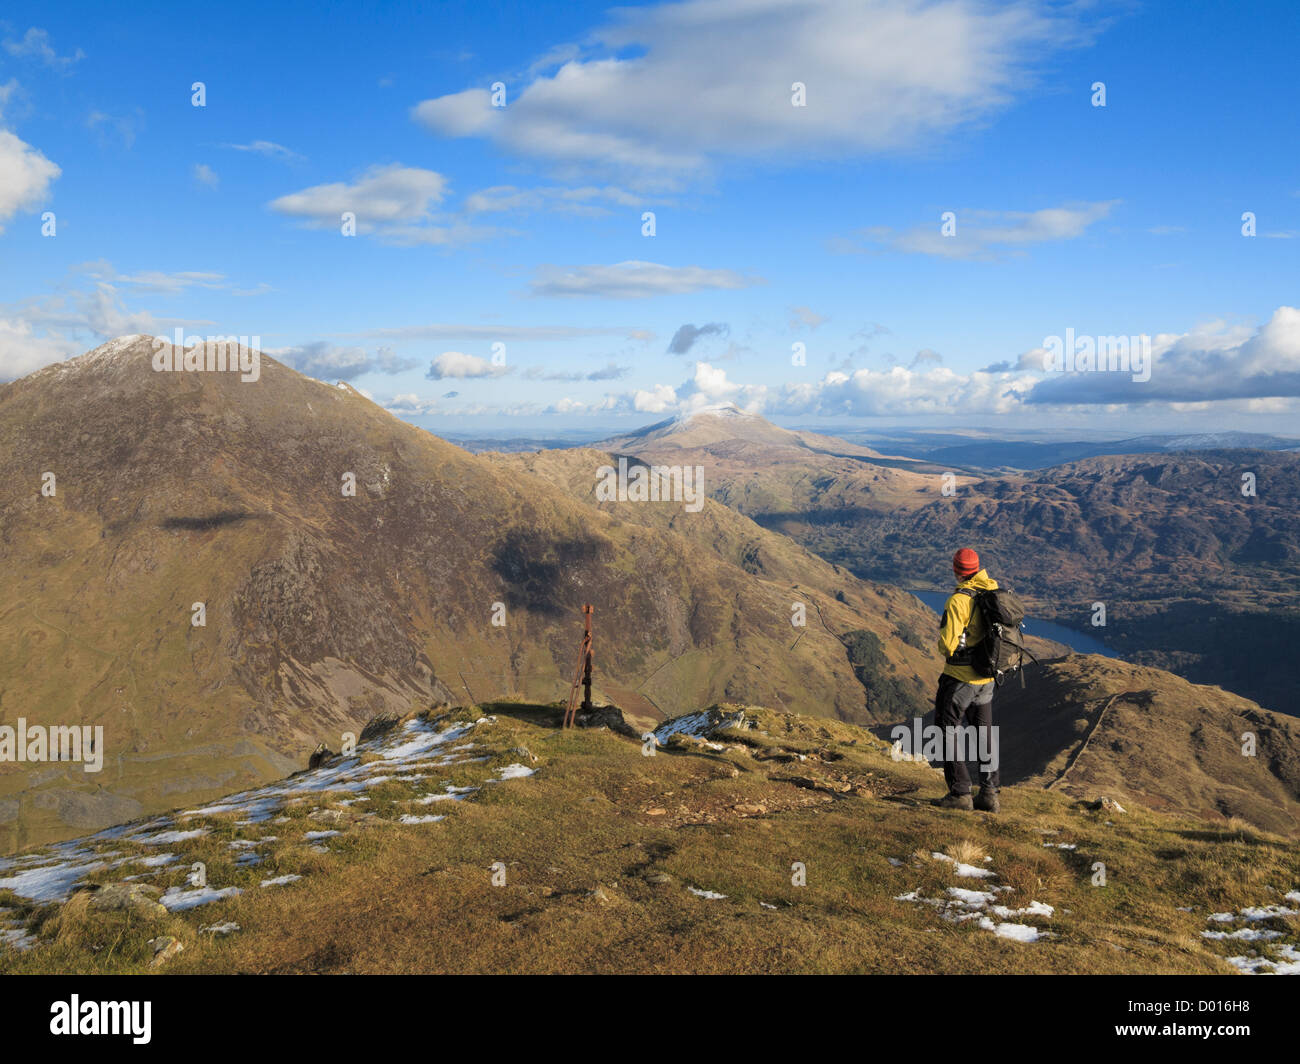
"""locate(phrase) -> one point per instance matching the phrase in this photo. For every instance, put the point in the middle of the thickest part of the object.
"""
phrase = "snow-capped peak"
(110, 350)
(727, 409)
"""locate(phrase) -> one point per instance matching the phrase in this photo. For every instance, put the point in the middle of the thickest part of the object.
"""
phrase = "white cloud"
(657, 400)
(36, 44)
(23, 352)
(394, 203)
(632, 280)
(667, 89)
(8, 91)
(269, 149)
(327, 361)
(122, 126)
(25, 177)
(206, 176)
(899, 391)
(983, 234)
(1211, 363)
(805, 317)
(589, 200)
(458, 365)
(170, 283)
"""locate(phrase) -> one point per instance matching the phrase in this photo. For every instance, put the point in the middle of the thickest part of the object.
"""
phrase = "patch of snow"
(1244, 934)
(711, 895)
(965, 870)
(48, 883)
(178, 899)
(410, 818)
(164, 838)
(1015, 932)
(977, 898)
(697, 725)
(17, 938)
(280, 881)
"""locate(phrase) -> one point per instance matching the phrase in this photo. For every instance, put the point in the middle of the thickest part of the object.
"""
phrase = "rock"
(547, 892)
(328, 816)
(600, 895)
(659, 879)
(750, 810)
(524, 752)
(137, 898)
(1108, 805)
(610, 717)
(656, 811)
(319, 756)
(164, 949)
(377, 726)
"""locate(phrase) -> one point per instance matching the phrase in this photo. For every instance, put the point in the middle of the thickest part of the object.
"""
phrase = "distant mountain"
(761, 469)
(1196, 576)
(179, 492)
(977, 451)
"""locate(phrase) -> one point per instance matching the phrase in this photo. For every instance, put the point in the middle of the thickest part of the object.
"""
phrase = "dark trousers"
(960, 704)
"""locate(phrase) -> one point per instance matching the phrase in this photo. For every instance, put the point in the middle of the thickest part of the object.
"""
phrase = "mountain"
(172, 491)
(1090, 725)
(485, 840)
(763, 470)
(1195, 575)
(975, 450)
(1195, 555)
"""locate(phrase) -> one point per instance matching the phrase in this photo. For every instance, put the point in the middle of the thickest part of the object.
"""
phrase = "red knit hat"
(965, 562)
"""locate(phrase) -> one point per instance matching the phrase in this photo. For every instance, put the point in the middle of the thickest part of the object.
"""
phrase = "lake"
(1079, 642)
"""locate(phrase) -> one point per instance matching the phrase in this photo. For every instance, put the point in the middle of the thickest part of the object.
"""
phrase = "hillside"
(487, 840)
(1087, 724)
(321, 608)
(766, 471)
(1197, 577)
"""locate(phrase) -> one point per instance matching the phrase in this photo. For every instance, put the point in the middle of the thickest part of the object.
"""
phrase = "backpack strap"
(965, 655)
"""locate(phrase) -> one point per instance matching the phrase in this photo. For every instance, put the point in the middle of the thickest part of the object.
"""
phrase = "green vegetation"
(887, 698)
(601, 846)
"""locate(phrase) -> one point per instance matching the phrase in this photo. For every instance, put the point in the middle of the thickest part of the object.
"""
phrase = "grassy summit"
(575, 852)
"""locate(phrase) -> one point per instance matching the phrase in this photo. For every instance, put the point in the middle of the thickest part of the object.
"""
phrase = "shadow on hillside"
(549, 716)
(540, 569)
(209, 522)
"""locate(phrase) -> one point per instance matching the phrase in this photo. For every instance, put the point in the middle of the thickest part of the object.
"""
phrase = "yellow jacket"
(960, 616)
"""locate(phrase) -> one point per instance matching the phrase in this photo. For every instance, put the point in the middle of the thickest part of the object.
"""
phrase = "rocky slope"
(133, 497)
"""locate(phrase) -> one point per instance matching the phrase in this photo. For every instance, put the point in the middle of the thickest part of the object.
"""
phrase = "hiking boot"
(987, 801)
(955, 801)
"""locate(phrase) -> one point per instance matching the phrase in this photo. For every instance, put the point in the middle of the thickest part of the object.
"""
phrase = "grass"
(600, 847)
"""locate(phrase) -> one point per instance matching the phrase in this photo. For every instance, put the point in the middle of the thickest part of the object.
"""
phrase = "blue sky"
(775, 224)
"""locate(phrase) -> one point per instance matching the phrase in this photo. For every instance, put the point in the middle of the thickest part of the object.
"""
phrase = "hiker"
(965, 697)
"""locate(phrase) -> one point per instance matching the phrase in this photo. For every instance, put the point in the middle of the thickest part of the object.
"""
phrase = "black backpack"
(1002, 650)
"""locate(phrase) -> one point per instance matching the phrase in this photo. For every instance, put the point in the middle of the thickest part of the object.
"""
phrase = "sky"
(564, 217)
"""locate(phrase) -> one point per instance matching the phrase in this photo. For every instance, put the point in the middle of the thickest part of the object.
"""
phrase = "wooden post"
(581, 673)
